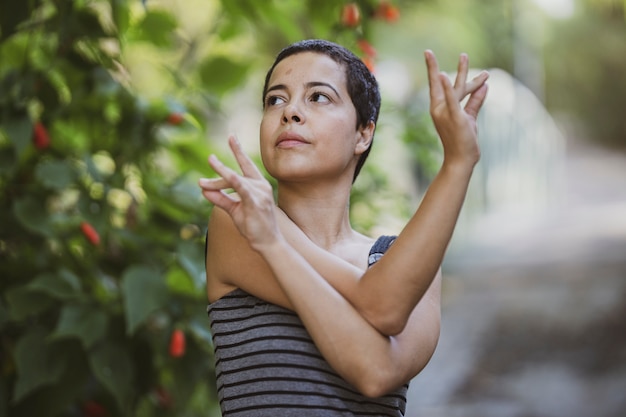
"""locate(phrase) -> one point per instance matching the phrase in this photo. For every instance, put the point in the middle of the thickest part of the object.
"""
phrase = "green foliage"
(101, 244)
(87, 310)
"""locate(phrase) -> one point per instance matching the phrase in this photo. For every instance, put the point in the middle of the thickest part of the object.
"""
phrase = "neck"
(322, 212)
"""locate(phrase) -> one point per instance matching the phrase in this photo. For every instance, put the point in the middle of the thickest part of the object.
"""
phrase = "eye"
(320, 98)
(274, 100)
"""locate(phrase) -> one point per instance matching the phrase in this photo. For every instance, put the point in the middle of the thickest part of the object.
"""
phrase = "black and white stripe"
(267, 364)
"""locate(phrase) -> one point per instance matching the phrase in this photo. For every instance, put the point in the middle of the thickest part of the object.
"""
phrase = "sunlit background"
(109, 108)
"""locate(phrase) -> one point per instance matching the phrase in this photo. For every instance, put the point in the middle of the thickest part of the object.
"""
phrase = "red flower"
(177, 344)
(388, 12)
(41, 139)
(350, 15)
(175, 119)
(93, 409)
(366, 47)
(90, 233)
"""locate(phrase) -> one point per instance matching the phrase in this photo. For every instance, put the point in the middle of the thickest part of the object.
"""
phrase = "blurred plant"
(102, 297)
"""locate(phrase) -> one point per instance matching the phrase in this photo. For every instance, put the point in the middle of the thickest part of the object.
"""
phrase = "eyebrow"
(307, 85)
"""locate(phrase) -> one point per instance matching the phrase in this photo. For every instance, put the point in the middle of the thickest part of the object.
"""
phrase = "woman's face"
(308, 130)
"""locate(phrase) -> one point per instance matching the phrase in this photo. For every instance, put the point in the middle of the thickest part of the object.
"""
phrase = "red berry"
(90, 233)
(366, 47)
(41, 139)
(93, 409)
(175, 119)
(350, 15)
(388, 12)
(177, 344)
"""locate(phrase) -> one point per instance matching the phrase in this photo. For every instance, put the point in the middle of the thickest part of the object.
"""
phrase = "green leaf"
(220, 74)
(55, 174)
(86, 323)
(191, 257)
(37, 364)
(199, 328)
(113, 367)
(60, 286)
(179, 281)
(31, 214)
(20, 133)
(144, 292)
(157, 27)
(23, 303)
(121, 15)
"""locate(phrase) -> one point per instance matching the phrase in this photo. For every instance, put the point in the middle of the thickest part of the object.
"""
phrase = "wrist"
(272, 247)
(459, 166)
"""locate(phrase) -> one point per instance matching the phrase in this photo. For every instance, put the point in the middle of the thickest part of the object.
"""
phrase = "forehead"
(309, 66)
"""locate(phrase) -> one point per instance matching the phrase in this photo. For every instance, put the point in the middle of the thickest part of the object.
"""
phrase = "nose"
(292, 114)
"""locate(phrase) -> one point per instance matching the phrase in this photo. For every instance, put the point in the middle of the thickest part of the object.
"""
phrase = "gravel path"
(534, 308)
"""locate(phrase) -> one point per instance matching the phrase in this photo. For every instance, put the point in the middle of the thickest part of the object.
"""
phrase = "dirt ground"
(534, 311)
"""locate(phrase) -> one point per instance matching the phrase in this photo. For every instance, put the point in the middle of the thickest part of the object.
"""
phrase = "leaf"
(86, 323)
(144, 292)
(31, 214)
(59, 286)
(190, 256)
(55, 174)
(157, 27)
(220, 74)
(37, 364)
(179, 281)
(20, 133)
(121, 15)
(199, 328)
(113, 367)
(23, 303)
(53, 400)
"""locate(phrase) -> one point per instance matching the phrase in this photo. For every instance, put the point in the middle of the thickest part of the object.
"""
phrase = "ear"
(365, 135)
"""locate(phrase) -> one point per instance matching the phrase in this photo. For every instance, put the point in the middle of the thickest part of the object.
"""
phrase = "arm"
(343, 342)
(387, 293)
(372, 362)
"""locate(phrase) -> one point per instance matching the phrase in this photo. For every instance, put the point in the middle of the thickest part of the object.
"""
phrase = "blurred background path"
(534, 309)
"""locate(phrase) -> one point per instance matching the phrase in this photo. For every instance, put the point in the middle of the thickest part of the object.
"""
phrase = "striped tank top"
(266, 363)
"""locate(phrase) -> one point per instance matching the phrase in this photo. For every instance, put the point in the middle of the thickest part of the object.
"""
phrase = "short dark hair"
(361, 83)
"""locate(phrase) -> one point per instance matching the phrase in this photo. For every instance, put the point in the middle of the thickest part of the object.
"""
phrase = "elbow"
(389, 323)
(375, 383)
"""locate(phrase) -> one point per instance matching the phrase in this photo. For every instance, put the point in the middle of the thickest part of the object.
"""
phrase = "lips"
(290, 140)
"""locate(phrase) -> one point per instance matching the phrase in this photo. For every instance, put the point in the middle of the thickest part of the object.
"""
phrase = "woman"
(306, 319)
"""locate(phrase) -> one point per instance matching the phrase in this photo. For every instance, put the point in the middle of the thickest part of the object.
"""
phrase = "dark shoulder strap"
(379, 248)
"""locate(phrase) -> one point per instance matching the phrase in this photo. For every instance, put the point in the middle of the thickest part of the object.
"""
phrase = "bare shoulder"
(231, 263)
(356, 250)
(219, 242)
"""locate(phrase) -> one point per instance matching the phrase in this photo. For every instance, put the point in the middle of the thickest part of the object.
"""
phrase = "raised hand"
(252, 206)
(455, 124)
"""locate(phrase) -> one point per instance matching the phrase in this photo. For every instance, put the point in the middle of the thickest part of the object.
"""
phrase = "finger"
(452, 102)
(461, 75)
(248, 168)
(227, 174)
(476, 82)
(213, 184)
(476, 101)
(434, 83)
(220, 199)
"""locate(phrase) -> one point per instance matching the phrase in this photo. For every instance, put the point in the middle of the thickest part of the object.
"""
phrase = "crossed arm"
(376, 328)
